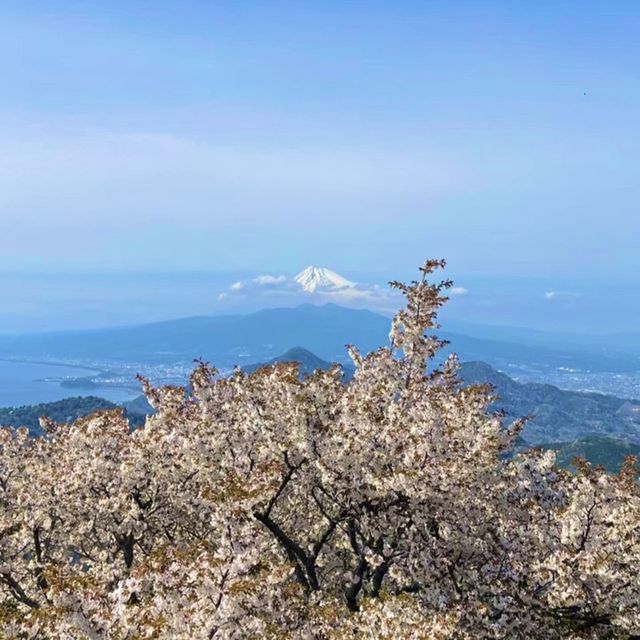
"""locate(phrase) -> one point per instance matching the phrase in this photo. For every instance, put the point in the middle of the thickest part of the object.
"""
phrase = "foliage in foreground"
(263, 506)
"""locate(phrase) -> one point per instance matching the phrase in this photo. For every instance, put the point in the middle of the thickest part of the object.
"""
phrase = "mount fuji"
(314, 278)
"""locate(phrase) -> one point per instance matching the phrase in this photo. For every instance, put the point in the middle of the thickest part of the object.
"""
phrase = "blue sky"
(261, 137)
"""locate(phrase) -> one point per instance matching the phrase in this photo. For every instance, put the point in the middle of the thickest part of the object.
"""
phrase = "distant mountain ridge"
(226, 339)
(324, 330)
(603, 344)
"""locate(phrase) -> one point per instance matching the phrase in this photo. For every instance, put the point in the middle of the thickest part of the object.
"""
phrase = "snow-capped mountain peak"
(313, 278)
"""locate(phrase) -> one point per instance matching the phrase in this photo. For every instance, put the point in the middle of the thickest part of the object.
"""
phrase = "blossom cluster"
(270, 506)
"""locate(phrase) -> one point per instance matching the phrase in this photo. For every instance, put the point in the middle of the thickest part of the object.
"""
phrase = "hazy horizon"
(100, 300)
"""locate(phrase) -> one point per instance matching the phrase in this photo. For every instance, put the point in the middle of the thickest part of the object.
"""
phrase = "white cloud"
(264, 284)
(268, 279)
(561, 295)
(458, 291)
(350, 293)
(267, 285)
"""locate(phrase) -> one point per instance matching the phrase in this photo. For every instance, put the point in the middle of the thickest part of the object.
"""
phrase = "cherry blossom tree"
(269, 506)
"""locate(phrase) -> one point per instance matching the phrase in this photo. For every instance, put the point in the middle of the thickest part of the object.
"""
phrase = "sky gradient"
(364, 136)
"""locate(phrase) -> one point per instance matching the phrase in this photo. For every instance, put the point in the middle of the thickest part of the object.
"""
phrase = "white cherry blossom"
(266, 506)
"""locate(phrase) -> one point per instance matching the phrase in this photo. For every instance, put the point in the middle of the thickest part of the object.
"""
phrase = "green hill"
(61, 411)
(65, 410)
(608, 452)
(557, 415)
(227, 340)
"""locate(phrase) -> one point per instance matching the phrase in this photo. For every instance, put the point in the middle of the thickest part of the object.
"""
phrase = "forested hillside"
(66, 410)
(556, 415)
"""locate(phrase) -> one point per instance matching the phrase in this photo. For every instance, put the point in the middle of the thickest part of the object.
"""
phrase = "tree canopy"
(264, 505)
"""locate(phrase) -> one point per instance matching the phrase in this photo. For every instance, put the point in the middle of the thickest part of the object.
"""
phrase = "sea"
(26, 383)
